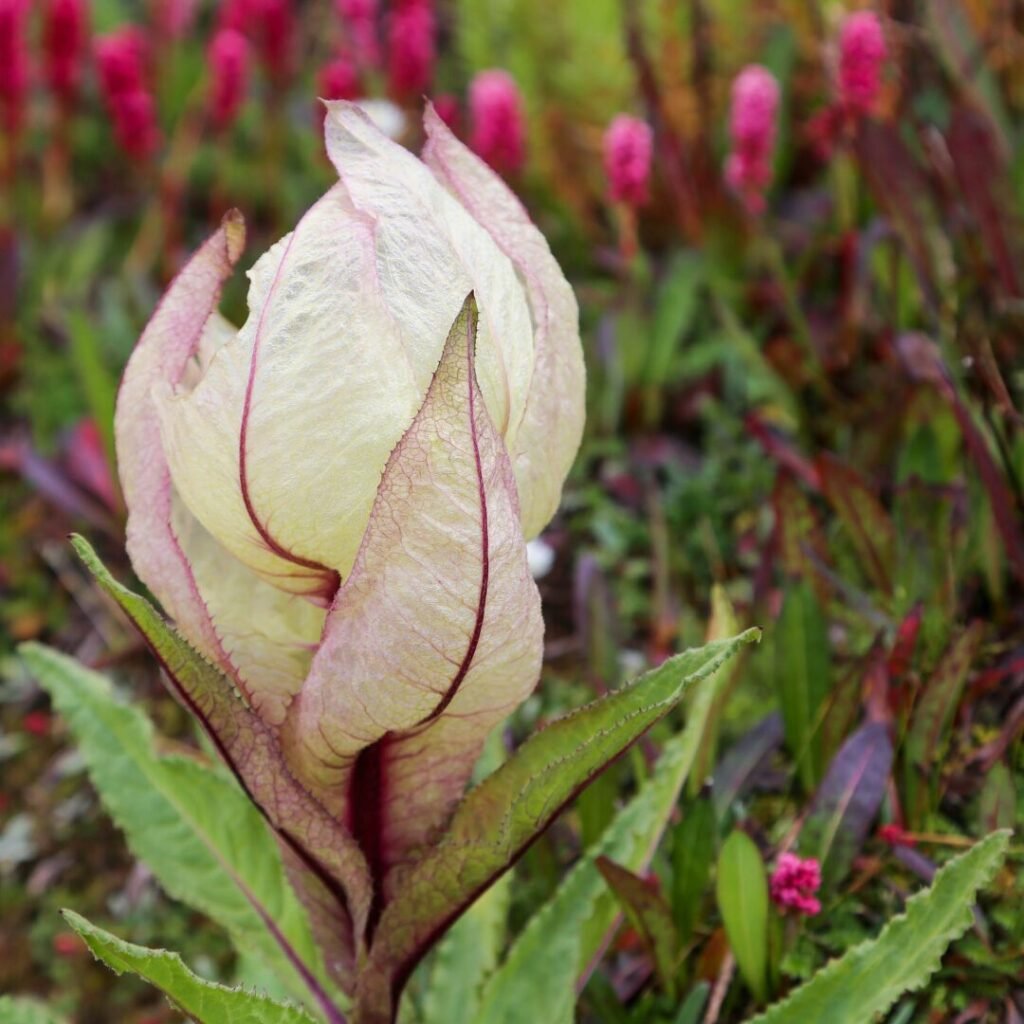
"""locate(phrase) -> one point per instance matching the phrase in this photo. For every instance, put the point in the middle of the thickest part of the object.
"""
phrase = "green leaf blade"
(190, 823)
(204, 1001)
(742, 890)
(498, 819)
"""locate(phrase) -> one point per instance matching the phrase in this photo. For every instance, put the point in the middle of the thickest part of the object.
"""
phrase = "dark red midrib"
(369, 772)
(334, 578)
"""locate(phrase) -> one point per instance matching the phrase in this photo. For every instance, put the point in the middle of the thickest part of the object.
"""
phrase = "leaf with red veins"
(278, 448)
(323, 861)
(498, 819)
(165, 354)
(552, 426)
(436, 635)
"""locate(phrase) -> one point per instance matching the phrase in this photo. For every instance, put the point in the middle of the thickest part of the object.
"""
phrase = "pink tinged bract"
(436, 635)
(549, 434)
(261, 637)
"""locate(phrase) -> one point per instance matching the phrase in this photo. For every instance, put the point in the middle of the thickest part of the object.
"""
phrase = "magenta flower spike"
(752, 130)
(121, 58)
(794, 883)
(862, 54)
(497, 122)
(14, 65)
(174, 18)
(339, 80)
(411, 47)
(65, 38)
(359, 18)
(228, 58)
(628, 148)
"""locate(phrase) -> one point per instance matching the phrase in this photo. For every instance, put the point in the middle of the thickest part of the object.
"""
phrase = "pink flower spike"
(498, 132)
(752, 129)
(64, 39)
(14, 65)
(794, 882)
(861, 55)
(411, 47)
(228, 57)
(121, 57)
(628, 146)
(173, 18)
(360, 20)
(339, 80)
(135, 124)
(273, 30)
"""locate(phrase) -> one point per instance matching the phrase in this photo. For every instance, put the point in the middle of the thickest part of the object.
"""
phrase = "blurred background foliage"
(812, 412)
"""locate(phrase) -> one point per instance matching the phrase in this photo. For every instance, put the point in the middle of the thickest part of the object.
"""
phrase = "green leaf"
(204, 1001)
(649, 914)
(323, 861)
(869, 978)
(466, 956)
(693, 1005)
(868, 525)
(22, 1010)
(562, 942)
(190, 823)
(802, 679)
(930, 722)
(693, 851)
(743, 900)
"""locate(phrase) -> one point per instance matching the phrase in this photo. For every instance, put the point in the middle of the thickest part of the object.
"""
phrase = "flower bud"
(628, 145)
(14, 65)
(65, 32)
(228, 58)
(498, 127)
(333, 501)
(861, 55)
(411, 47)
(752, 127)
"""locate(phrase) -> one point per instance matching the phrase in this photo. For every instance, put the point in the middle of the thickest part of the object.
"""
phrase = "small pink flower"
(794, 882)
(498, 132)
(628, 146)
(449, 110)
(411, 47)
(228, 58)
(360, 20)
(339, 80)
(14, 64)
(861, 55)
(64, 39)
(752, 128)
